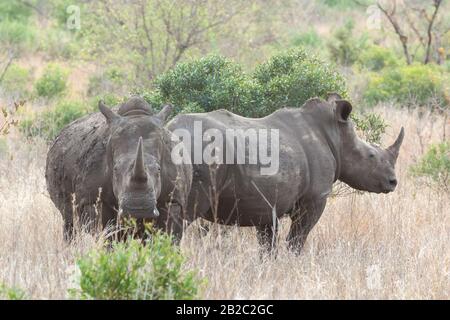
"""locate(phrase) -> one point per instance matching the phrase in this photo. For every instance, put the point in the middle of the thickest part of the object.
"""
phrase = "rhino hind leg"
(303, 220)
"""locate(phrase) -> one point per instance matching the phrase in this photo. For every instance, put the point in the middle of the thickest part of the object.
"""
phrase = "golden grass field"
(367, 246)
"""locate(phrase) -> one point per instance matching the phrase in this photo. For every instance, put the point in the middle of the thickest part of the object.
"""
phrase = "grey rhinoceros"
(317, 146)
(118, 163)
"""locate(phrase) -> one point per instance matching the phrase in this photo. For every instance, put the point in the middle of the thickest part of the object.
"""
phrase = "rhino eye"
(371, 155)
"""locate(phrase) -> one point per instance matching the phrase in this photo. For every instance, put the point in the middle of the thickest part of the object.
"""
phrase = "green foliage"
(11, 293)
(343, 47)
(291, 78)
(132, 270)
(435, 164)
(53, 82)
(14, 10)
(409, 84)
(370, 125)
(308, 39)
(215, 82)
(375, 58)
(15, 34)
(49, 123)
(211, 83)
(15, 81)
(111, 80)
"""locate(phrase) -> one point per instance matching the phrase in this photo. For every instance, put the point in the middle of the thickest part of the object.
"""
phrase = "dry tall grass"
(365, 246)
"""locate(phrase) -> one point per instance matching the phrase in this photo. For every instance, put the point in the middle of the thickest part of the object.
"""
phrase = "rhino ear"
(343, 110)
(165, 113)
(107, 112)
(333, 96)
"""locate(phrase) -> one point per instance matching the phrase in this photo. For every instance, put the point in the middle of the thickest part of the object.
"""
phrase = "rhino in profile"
(317, 146)
(111, 163)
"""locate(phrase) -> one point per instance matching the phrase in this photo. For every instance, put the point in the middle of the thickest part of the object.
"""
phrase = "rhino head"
(364, 166)
(134, 154)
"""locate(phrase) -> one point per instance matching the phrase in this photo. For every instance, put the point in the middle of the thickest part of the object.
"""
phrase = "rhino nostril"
(393, 182)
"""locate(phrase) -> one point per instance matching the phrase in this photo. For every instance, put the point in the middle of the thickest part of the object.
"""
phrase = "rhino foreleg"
(303, 220)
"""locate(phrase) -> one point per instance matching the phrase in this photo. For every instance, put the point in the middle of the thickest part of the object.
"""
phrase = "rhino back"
(246, 196)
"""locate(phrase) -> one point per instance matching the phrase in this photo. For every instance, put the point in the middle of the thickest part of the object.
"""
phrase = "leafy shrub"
(306, 39)
(59, 44)
(11, 293)
(370, 125)
(343, 47)
(111, 80)
(15, 81)
(15, 34)
(53, 81)
(132, 270)
(375, 58)
(292, 78)
(435, 164)
(50, 122)
(406, 85)
(212, 83)
(14, 10)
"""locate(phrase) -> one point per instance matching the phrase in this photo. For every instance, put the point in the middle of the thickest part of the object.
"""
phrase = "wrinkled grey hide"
(318, 146)
(108, 162)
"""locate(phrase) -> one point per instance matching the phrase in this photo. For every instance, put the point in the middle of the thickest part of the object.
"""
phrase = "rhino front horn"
(139, 173)
(395, 148)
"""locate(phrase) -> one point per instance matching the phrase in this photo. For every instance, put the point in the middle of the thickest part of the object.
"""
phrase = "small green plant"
(376, 58)
(53, 82)
(344, 49)
(50, 122)
(370, 125)
(15, 81)
(133, 270)
(308, 39)
(11, 293)
(408, 85)
(435, 164)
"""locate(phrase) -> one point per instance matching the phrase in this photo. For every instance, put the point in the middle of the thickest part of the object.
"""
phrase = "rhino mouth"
(138, 210)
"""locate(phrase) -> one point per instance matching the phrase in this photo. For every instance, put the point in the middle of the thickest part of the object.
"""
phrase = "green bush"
(435, 164)
(132, 270)
(370, 125)
(11, 293)
(308, 39)
(343, 48)
(211, 83)
(409, 84)
(49, 123)
(215, 82)
(15, 34)
(14, 10)
(292, 78)
(375, 58)
(111, 80)
(53, 81)
(15, 81)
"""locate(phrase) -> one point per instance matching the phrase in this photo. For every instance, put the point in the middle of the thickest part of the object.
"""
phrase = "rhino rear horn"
(395, 147)
(107, 112)
(139, 173)
(165, 112)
